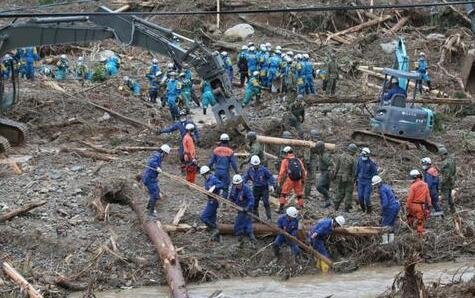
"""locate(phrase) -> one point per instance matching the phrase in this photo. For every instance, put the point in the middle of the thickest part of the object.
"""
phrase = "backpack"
(295, 169)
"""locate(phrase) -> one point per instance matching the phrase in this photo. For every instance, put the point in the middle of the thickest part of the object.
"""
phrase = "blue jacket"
(422, 66)
(387, 198)
(431, 177)
(308, 69)
(152, 73)
(242, 197)
(394, 90)
(252, 62)
(180, 126)
(290, 225)
(155, 161)
(212, 180)
(275, 61)
(365, 170)
(172, 91)
(260, 177)
(222, 158)
(323, 228)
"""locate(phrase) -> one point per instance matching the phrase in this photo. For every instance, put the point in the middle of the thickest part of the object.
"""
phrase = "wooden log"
(71, 121)
(20, 281)
(303, 245)
(166, 250)
(180, 213)
(401, 23)
(9, 215)
(360, 27)
(88, 154)
(292, 142)
(122, 117)
(246, 154)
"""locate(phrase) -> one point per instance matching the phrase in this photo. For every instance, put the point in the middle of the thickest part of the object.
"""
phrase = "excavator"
(128, 30)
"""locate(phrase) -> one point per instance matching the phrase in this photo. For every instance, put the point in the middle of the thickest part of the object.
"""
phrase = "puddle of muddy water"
(366, 282)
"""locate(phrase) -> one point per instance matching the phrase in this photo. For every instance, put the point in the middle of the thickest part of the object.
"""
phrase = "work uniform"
(417, 198)
(181, 127)
(431, 177)
(448, 172)
(323, 228)
(332, 77)
(324, 166)
(152, 73)
(422, 70)
(222, 159)
(242, 65)
(291, 226)
(288, 184)
(62, 68)
(389, 206)
(228, 66)
(153, 87)
(190, 165)
(365, 170)
(186, 93)
(30, 57)
(345, 177)
(252, 63)
(300, 77)
(309, 76)
(274, 70)
(261, 179)
(264, 69)
(253, 90)
(112, 66)
(173, 91)
(133, 86)
(209, 214)
(207, 96)
(243, 198)
(311, 160)
(82, 72)
(150, 179)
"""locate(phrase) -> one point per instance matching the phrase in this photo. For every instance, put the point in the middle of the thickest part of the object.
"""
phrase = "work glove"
(159, 170)
(159, 131)
(314, 235)
(271, 189)
(212, 188)
(194, 161)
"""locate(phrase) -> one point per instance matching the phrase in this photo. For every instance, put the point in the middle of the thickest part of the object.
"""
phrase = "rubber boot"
(276, 251)
(268, 213)
(369, 209)
(385, 238)
(252, 240)
(363, 207)
(391, 237)
(241, 241)
(216, 236)
(429, 85)
(204, 111)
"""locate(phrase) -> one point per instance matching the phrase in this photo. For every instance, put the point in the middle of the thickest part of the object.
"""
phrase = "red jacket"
(419, 193)
(189, 147)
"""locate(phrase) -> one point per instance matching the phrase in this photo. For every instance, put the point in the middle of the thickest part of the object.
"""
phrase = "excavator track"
(12, 132)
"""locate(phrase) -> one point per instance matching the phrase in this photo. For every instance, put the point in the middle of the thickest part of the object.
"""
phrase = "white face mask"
(364, 157)
(425, 167)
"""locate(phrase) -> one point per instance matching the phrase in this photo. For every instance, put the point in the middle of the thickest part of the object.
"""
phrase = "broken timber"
(303, 245)
(359, 27)
(20, 281)
(292, 142)
(9, 215)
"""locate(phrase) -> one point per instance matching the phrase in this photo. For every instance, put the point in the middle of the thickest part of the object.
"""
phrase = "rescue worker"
(242, 196)
(288, 222)
(297, 114)
(311, 159)
(309, 75)
(62, 68)
(31, 57)
(150, 178)
(252, 62)
(99, 72)
(154, 69)
(222, 160)
(322, 74)
(180, 125)
(207, 96)
(431, 177)
(186, 91)
(365, 170)
(132, 85)
(422, 70)
(332, 67)
(448, 176)
(242, 65)
(173, 92)
(209, 214)
(299, 74)
(325, 165)
(264, 67)
(418, 201)
(189, 150)
(274, 73)
(112, 65)
(321, 231)
(7, 66)
(389, 207)
(292, 176)
(255, 148)
(286, 74)
(262, 183)
(393, 90)
(154, 86)
(82, 72)
(253, 90)
(228, 65)
(344, 175)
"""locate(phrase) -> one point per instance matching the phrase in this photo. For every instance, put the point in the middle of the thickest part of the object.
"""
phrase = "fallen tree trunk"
(88, 154)
(401, 23)
(68, 122)
(165, 249)
(20, 281)
(122, 117)
(292, 142)
(9, 215)
(360, 27)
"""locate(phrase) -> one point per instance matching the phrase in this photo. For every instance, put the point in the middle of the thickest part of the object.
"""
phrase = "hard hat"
(320, 146)
(268, 44)
(189, 126)
(126, 78)
(340, 220)
(251, 135)
(154, 61)
(182, 74)
(204, 170)
(414, 173)
(292, 212)
(365, 151)
(277, 52)
(263, 47)
(278, 48)
(173, 74)
(165, 148)
(422, 54)
(333, 55)
(250, 44)
(224, 53)
(253, 48)
(426, 160)
(170, 65)
(244, 48)
(237, 179)
(376, 180)
(289, 59)
(314, 133)
(352, 148)
(300, 97)
(306, 56)
(287, 149)
(255, 73)
(186, 66)
(255, 160)
(81, 58)
(286, 135)
(298, 56)
(443, 151)
(182, 113)
(290, 53)
(63, 56)
(224, 137)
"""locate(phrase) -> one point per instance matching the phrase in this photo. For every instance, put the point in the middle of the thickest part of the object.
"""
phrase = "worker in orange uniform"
(417, 201)
(291, 177)
(189, 149)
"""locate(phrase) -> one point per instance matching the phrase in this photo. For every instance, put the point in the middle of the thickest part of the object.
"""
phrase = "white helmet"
(189, 126)
(165, 148)
(376, 180)
(268, 45)
(154, 61)
(426, 160)
(250, 44)
(173, 74)
(306, 56)
(204, 170)
(255, 160)
(170, 65)
(278, 48)
(81, 58)
(244, 48)
(290, 53)
(414, 173)
(340, 220)
(263, 47)
(224, 137)
(365, 151)
(292, 212)
(237, 179)
(255, 73)
(224, 53)
(63, 56)
(422, 54)
(126, 78)
(287, 149)
(252, 48)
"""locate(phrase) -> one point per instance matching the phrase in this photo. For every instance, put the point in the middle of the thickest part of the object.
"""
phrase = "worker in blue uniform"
(431, 177)
(264, 67)
(274, 74)
(393, 89)
(154, 69)
(112, 65)
(150, 177)
(252, 62)
(309, 73)
(253, 90)
(209, 214)
(299, 75)
(322, 230)
(241, 195)
(62, 68)
(222, 160)
(30, 57)
(365, 170)
(228, 65)
(422, 69)
(172, 93)
(389, 208)
(207, 96)
(288, 222)
(132, 85)
(154, 86)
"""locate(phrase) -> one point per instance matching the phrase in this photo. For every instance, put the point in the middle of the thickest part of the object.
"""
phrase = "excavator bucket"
(468, 71)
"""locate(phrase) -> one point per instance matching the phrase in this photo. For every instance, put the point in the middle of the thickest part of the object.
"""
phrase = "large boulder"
(238, 32)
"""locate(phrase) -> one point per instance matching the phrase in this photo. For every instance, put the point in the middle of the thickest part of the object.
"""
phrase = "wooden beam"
(20, 281)
(9, 215)
(360, 27)
(292, 142)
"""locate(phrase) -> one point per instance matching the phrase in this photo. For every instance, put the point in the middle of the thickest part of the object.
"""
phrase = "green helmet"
(251, 136)
(352, 148)
(286, 135)
(320, 146)
(314, 134)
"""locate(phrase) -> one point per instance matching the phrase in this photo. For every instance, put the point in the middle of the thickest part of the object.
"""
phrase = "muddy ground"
(63, 238)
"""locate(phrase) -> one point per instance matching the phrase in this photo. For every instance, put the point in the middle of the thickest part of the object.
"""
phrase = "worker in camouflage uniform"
(332, 75)
(344, 176)
(325, 164)
(447, 183)
(311, 160)
(280, 156)
(255, 148)
(295, 115)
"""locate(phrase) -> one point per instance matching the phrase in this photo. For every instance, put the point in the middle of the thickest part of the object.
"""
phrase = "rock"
(104, 117)
(389, 47)
(77, 168)
(436, 36)
(239, 32)
(54, 174)
(77, 191)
